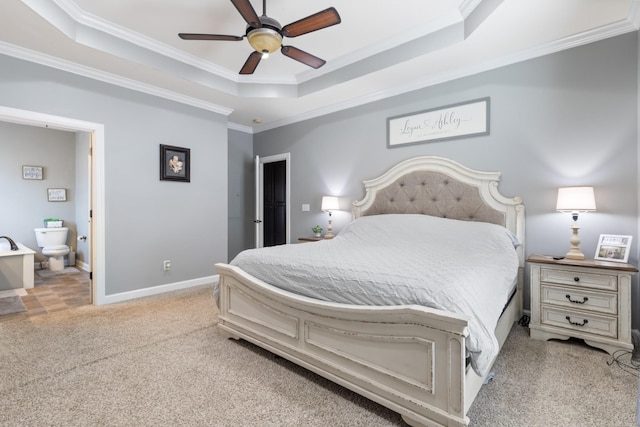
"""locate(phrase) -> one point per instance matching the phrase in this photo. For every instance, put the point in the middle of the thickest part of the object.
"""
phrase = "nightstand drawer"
(579, 299)
(578, 321)
(580, 278)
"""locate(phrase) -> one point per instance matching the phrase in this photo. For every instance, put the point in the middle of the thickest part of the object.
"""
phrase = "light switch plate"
(306, 207)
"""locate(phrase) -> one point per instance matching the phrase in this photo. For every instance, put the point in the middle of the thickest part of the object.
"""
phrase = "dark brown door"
(275, 203)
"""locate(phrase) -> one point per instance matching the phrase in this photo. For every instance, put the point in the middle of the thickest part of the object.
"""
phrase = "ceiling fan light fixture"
(264, 39)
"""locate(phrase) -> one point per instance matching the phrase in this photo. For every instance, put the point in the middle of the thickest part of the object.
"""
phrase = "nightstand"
(586, 299)
(310, 239)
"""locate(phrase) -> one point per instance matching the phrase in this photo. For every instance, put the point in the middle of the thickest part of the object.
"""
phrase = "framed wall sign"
(613, 248)
(465, 119)
(31, 172)
(175, 163)
(57, 194)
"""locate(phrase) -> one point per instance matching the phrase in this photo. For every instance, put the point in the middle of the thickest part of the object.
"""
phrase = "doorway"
(96, 185)
(273, 183)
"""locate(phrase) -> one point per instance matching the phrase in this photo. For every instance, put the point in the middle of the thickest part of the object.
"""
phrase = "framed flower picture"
(175, 163)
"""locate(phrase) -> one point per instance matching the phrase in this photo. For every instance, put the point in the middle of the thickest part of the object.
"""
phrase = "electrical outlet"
(167, 265)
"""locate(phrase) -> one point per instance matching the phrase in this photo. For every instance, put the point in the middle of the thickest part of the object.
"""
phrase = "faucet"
(14, 247)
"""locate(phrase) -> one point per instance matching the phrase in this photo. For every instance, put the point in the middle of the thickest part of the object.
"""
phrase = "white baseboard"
(155, 290)
(82, 266)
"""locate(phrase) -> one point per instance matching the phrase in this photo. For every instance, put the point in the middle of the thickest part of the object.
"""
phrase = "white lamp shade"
(576, 199)
(330, 203)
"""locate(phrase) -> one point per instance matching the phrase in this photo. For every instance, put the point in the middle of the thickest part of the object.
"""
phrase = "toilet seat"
(56, 250)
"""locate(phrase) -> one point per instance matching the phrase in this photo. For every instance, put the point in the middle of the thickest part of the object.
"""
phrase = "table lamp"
(575, 200)
(329, 203)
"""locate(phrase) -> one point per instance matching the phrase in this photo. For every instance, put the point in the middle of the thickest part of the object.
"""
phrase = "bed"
(413, 359)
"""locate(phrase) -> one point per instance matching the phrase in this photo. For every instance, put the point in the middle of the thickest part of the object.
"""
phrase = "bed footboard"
(410, 359)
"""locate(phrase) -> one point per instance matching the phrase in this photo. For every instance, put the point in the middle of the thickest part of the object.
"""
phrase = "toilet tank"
(47, 237)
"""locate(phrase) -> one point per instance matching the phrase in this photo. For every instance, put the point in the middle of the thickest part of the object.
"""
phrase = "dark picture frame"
(175, 163)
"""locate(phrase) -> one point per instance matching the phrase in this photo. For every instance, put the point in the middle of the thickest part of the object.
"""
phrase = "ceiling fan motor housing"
(267, 38)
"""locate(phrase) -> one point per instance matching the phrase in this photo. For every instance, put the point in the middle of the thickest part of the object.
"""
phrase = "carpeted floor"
(11, 304)
(159, 361)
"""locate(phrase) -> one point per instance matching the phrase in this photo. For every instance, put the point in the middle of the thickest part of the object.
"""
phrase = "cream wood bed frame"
(410, 359)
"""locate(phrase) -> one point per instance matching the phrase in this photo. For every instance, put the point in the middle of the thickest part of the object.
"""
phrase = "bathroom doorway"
(93, 133)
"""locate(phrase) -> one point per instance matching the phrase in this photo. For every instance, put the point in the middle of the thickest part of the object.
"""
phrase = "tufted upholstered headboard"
(444, 188)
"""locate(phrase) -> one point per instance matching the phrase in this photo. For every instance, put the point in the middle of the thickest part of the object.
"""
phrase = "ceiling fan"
(265, 34)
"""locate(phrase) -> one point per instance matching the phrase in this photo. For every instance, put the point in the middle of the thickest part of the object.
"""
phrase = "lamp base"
(329, 234)
(573, 254)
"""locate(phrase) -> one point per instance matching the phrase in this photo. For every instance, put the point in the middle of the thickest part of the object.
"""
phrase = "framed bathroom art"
(31, 172)
(57, 194)
(175, 163)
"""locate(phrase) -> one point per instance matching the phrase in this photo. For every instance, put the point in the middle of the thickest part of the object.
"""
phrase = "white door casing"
(259, 165)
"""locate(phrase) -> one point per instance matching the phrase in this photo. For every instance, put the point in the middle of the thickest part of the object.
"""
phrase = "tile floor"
(54, 291)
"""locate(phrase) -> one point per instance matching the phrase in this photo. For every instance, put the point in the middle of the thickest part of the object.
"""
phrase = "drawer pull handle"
(584, 322)
(576, 279)
(575, 301)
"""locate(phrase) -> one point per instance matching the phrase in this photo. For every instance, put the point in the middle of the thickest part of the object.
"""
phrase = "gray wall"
(146, 220)
(241, 190)
(24, 202)
(564, 119)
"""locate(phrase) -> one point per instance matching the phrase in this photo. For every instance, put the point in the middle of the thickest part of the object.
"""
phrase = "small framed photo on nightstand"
(613, 248)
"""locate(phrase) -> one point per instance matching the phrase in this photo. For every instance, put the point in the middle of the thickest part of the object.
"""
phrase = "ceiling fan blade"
(252, 63)
(302, 56)
(317, 21)
(190, 36)
(248, 12)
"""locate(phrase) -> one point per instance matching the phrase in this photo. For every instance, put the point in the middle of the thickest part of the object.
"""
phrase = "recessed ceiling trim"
(94, 32)
(444, 37)
(71, 67)
(615, 29)
(475, 12)
(69, 25)
(97, 33)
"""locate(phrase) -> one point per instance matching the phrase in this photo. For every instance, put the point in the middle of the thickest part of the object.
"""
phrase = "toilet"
(52, 241)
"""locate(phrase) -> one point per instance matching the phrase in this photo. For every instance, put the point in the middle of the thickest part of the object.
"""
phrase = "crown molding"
(92, 73)
(92, 31)
(239, 128)
(615, 29)
(631, 23)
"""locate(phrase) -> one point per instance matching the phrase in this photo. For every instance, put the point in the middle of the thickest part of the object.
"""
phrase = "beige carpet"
(159, 362)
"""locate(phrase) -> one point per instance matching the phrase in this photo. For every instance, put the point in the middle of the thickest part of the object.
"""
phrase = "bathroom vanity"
(16, 267)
